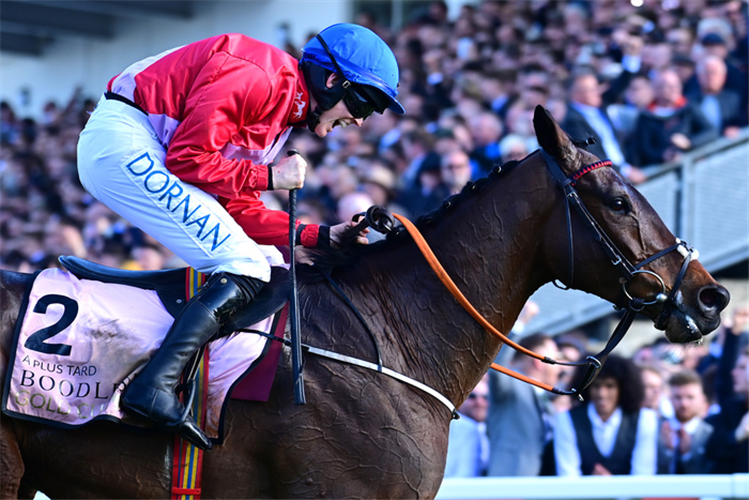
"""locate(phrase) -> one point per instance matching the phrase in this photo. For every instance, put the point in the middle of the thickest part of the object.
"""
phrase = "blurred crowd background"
(469, 84)
(653, 81)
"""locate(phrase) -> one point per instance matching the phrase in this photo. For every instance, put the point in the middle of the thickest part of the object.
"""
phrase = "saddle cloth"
(80, 342)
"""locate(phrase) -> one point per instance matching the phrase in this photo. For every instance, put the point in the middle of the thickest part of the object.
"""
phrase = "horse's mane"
(349, 254)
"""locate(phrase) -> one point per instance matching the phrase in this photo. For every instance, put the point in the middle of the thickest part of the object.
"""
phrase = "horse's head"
(655, 269)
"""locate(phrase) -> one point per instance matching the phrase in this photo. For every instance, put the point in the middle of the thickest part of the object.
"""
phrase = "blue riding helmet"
(365, 64)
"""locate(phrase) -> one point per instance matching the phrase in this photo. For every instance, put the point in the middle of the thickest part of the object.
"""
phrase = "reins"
(436, 266)
(617, 259)
(378, 218)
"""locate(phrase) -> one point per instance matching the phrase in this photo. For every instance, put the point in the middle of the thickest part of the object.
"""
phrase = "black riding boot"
(151, 393)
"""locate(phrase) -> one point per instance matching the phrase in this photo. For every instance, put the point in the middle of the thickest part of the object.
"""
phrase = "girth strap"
(369, 366)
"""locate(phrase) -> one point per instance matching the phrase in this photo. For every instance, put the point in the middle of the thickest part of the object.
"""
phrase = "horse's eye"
(618, 205)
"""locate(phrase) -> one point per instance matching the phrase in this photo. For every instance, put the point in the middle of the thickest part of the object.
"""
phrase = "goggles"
(358, 105)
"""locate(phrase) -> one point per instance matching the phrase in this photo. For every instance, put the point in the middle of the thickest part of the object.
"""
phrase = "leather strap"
(109, 95)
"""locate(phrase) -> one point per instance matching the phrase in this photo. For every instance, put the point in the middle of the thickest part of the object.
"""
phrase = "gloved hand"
(337, 231)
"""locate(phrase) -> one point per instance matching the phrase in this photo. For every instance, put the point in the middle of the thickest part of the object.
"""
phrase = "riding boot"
(151, 393)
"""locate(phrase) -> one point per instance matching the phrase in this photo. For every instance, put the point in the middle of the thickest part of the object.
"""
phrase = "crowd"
(667, 410)
(647, 83)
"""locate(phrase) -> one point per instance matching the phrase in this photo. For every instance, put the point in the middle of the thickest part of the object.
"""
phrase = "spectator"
(378, 181)
(637, 96)
(427, 194)
(715, 44)
(512, 147)
(496, 87)
(455, 169)
(655, 391)
(519, 122)
(610, 433)
(586, 117)
(681, 39)
(149, 257)
(572, 345)
(468, 445)
(520, 415)
(419, 149)
(486, 130)
(682, 440)
(732, 336)
(670, 126)
(722, 106)
(728, 448)
(684, 67)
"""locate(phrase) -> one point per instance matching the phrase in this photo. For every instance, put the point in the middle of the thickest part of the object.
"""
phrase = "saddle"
(170, 287)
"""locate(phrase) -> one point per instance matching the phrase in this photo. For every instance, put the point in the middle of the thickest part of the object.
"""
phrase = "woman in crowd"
(609, 433)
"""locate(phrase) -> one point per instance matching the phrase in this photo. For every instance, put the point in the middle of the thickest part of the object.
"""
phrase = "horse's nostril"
(713, 298)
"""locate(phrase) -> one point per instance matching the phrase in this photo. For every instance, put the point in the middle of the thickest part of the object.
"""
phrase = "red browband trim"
(602, 163)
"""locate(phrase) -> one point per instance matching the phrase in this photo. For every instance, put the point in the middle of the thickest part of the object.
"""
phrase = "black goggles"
(357, 104)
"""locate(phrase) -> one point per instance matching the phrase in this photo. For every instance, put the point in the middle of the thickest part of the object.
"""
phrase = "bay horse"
(363, 434)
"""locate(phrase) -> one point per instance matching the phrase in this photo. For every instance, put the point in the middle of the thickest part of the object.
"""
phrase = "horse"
(362, 434)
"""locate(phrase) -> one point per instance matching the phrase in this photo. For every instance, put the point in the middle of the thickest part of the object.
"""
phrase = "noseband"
(619, 261)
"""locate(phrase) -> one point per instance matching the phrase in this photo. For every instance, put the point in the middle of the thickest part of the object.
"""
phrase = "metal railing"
(703, 199)
(600, 487)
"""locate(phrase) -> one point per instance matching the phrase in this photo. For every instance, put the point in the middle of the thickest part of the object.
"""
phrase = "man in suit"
(468, 445)
(682, 440)
(714, 44)
(728, 448)
(519, 423)
(720, 104)
(587, 117)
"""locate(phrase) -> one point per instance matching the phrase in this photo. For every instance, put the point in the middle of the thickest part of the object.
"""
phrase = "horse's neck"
(492, 259)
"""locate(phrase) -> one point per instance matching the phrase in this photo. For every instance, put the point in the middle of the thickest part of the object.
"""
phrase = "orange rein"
(452, 287)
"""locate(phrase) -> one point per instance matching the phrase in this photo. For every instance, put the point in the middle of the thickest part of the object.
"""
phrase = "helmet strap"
(317, 81)
(313, 118)
(325, 98)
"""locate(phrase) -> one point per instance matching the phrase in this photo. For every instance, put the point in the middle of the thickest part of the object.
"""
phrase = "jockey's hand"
(337, 231)
(289, 172)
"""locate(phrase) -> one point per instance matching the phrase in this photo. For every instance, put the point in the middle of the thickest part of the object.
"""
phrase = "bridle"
(381, 220)
(617, 259)
(620, 262)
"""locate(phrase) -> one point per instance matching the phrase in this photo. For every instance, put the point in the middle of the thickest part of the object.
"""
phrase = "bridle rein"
(381, 220)
(618, 260)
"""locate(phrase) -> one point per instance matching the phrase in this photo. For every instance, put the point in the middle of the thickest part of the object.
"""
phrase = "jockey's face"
(337, 116)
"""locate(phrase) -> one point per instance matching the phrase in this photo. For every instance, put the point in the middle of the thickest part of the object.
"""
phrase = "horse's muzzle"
(689, 324)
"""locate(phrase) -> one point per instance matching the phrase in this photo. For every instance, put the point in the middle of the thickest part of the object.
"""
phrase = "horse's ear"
(553, 139)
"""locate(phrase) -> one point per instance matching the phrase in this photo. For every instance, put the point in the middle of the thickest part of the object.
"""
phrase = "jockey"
(181, 145)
